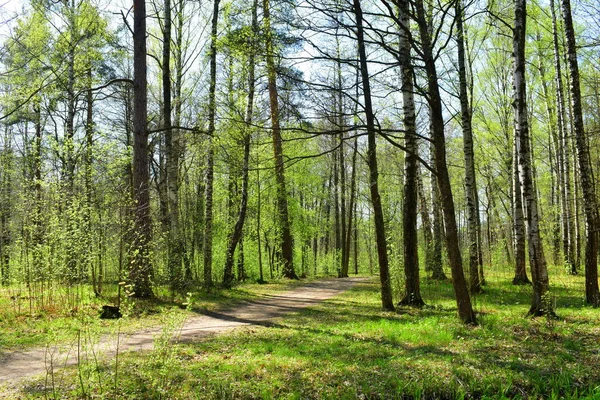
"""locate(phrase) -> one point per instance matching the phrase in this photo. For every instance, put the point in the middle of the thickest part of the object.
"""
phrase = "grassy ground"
(348, 348)
(26, 321)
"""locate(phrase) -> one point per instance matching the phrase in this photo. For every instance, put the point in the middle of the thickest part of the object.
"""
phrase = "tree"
(592, 294)
(568, 223)
(141, 265)
(352, 218)
(520, 277)
(463, 300)
(172, 149)
(283, 220)
(6, 175)
(437, 225)
(236, 234)
(473, 227)
(412, 295)
(210, 157)
(539, 273)
(384, 274)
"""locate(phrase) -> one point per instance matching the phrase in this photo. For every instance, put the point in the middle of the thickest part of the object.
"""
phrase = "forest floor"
(330, 339)
(18, 365)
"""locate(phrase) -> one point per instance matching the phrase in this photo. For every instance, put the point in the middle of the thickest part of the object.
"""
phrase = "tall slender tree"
(568, 223)
(473, 227)
(520, 277)
(141, 265)
(539, 273)
(461, 292)
(283, 219)
(412, 288)
(590, 206)
(175, 242)
(207, 247)
(384, 273)
(236, 234)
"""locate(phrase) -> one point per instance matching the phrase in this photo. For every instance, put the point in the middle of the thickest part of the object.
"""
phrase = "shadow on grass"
(347, 348)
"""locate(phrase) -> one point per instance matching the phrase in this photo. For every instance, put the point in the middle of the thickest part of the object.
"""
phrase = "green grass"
(348, 348)
(57, 316)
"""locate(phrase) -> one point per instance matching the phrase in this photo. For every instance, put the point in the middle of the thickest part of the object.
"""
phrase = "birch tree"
(539, 273)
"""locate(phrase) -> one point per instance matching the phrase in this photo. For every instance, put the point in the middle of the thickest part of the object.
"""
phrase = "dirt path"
(18, 365)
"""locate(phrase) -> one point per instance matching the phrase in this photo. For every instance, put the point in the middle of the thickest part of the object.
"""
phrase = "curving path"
(18, 365)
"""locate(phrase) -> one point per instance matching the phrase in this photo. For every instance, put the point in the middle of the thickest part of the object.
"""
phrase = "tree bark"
(426, 220)
(344, 229)
(412, 289)
(520, 277)
(37, 219)
(285, 233)
(437, 270)
(69, 139)
(473, 228)
(351, 211)
(6, 167)
(68, 156)
(592, 294)
(384, 274)
(568, 226)
(141, 267)
(555, 156)
(258, 225)
(336, 210)
(540, 303)
(88, 188)
(463, 299)
(209, 172)
(176, 139)
(175, 244)
(236, 235)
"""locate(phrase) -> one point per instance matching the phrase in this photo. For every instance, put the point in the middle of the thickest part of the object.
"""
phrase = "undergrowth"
(348, 348)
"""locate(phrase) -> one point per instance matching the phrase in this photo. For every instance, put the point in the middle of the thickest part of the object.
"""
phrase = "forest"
(164, 158)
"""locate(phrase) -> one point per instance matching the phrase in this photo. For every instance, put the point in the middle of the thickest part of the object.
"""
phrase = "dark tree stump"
(110, 312)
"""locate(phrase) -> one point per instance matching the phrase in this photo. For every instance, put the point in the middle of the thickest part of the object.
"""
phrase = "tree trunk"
(437, 270)
(88, 188)
(176, 140)
(336, 211)
(520, 277)
(463, 299)
(68, 155)
(540, 303)
(344, 229)
(426, 221)
(412, 288)
(473, 228)
(576, 193)
(351, 210)
(384, 273)
(555, 156)
(258, 222)
(568, 226)
(6, 167)
(236, 235)
(69, 139)
(37, 218)
(356, 237)
(283, 219)
(343, 226)
(175, 244)
(141, 267)
(592, 294)
(209, 173)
